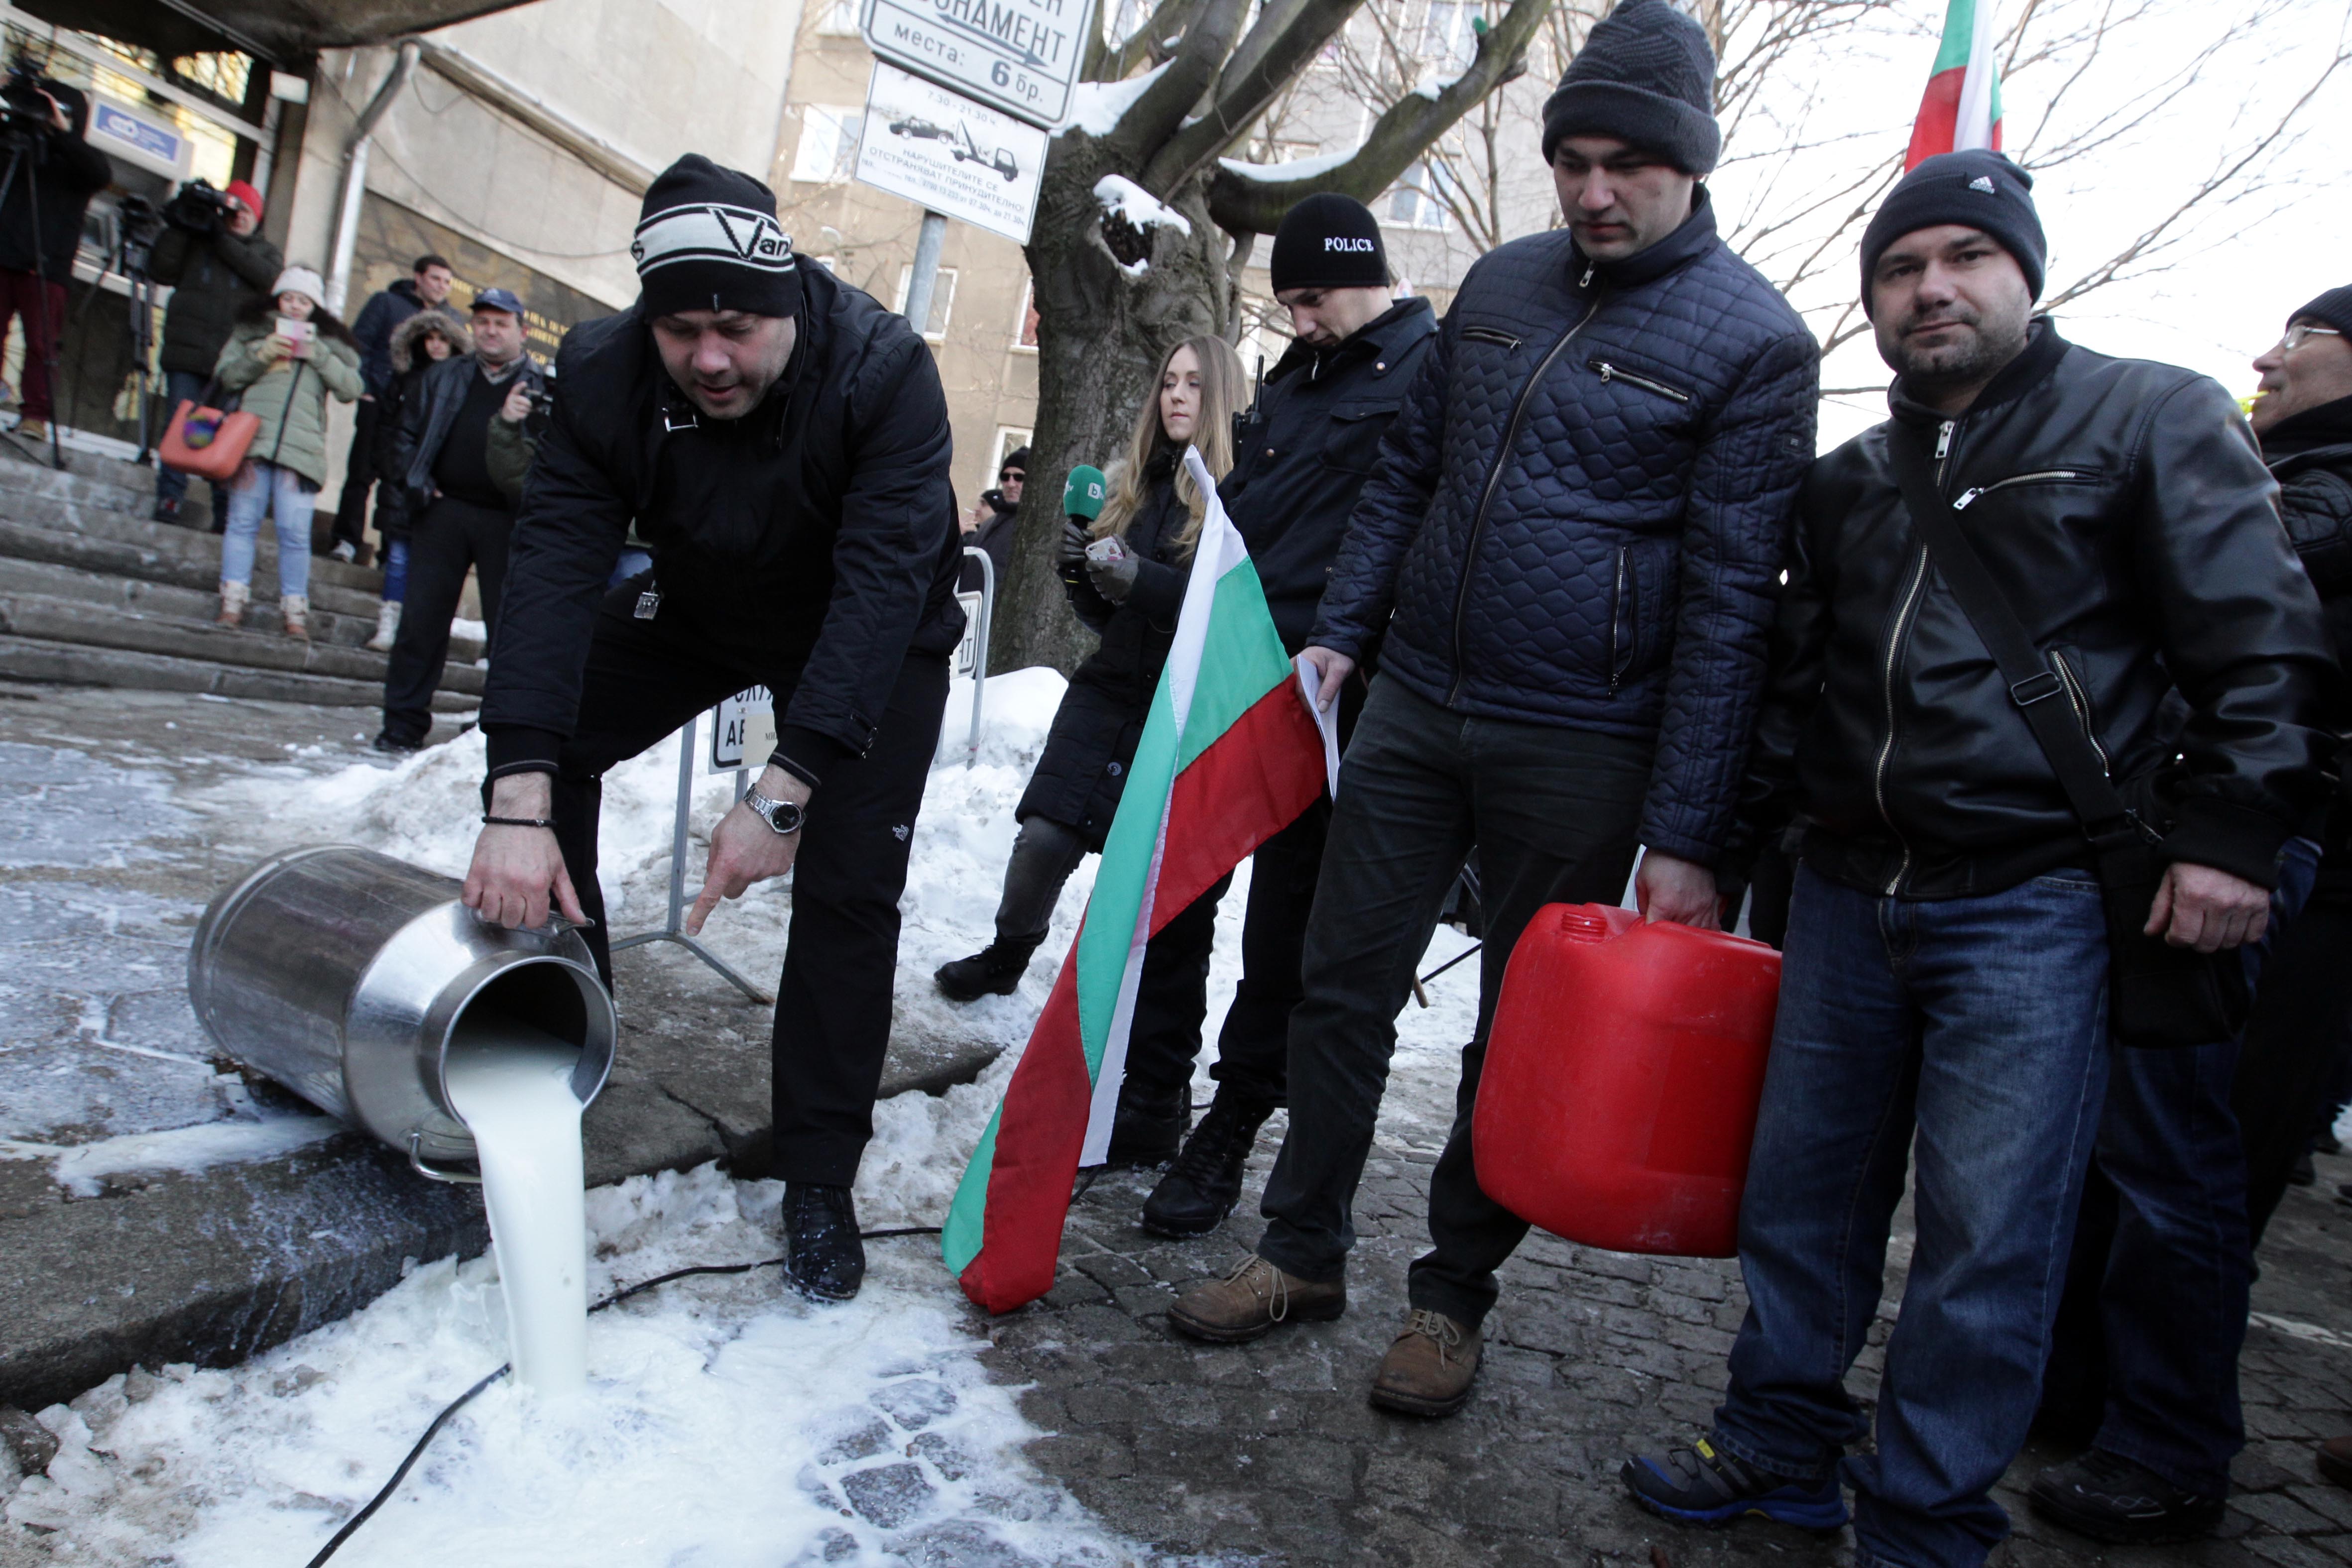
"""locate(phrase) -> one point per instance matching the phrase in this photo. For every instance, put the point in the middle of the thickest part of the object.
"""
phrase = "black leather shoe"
(823, 1256)
(1201, 1187)
(2109, 1498)
(393, 746)
(1148, 1129)
(166, 510)
(994, 971)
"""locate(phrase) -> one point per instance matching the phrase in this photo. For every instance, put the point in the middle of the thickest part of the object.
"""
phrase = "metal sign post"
(674, 929)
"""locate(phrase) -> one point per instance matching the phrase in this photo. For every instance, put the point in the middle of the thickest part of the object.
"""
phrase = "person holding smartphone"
(287, 356)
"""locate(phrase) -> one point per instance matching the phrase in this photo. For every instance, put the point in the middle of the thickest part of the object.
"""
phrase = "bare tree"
(1145, 221)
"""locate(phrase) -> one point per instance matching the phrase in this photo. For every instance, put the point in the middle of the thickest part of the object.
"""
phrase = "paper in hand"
(1310, 680)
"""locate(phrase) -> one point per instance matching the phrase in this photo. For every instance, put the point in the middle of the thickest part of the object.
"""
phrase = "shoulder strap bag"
(2159, 996)
(209, 438)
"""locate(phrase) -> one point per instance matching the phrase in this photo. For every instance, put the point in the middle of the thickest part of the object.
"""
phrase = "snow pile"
(1289, 170)
(1122, 197)
(1096, 106)
(726, 1423)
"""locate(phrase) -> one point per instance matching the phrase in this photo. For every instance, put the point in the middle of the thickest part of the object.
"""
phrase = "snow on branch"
(1123, 198)
(1096, 106)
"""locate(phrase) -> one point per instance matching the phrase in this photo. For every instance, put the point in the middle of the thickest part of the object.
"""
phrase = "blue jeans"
(396, 570)
(1972, 1031)
(2165, 1251)
(261, 487)
(178, 386)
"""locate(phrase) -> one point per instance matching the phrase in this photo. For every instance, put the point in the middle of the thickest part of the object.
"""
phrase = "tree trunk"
(1101, 331)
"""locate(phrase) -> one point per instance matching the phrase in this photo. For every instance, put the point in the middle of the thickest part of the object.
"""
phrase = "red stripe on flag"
(1940, 117)
(1250, 783)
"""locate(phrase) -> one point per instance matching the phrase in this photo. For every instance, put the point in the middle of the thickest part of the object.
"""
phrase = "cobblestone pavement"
(1270, 1451)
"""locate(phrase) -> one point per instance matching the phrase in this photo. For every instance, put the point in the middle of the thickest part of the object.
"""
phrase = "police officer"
(1301, 454)
(781, 442)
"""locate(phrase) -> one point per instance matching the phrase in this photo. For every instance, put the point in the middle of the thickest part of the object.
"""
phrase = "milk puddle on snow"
(512, 1086)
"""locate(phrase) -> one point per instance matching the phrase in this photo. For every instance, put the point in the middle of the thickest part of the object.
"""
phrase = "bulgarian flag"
(1961, 108)
(1230, 756)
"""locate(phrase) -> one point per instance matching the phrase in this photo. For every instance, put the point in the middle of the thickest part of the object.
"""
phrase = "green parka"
(290, 396)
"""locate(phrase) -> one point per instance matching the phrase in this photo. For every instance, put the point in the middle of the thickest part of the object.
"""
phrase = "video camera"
(25, 106)
(198, 208)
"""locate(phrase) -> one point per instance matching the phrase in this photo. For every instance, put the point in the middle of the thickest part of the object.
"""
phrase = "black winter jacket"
(427, 409)
(385, 313)
(1579, 519)
(67, 171)
(1083, 770)
(1303, 450)
(2122, 509)
(818, 530)
(2310, 455)
(216, 278)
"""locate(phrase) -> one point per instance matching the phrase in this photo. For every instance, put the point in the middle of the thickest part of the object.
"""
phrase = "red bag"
(206, 442)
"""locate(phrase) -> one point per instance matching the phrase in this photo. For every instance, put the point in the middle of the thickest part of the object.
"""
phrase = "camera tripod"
(135, 226)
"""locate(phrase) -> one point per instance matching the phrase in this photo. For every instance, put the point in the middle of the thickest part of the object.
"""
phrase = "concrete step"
(84, 471)
(135, 630)
(42, 662)
(91, 520)
(176, 559)
(188, 602)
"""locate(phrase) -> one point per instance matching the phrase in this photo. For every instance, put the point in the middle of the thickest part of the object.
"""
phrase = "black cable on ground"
(351, 1525)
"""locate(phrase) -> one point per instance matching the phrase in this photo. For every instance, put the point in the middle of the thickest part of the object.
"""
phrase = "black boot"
(2109, 1498)
(1201, 1187)
(994, 971)
(1148, 1125)
(823, 1256)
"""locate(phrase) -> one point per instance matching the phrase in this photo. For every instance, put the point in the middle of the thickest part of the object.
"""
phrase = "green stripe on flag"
(1247, 663)
(968, 1213)
(1960, 36)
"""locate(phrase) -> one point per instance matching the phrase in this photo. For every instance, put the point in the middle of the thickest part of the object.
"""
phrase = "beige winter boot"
(387, 626)
(297, 610)
(232, 612)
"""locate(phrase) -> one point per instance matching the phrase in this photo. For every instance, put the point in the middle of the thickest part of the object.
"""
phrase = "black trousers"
(1554, 815)
(646, 679)
(2296, 1039)
(451, 536)
(1254, 1046)
(359, 472)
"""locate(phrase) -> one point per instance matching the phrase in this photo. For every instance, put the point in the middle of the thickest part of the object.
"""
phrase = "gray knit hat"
(1646, 77)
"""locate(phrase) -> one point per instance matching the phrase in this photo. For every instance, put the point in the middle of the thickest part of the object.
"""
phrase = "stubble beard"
(1971, 360)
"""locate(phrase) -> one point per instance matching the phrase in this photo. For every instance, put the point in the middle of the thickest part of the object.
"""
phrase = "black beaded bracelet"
(546, 823)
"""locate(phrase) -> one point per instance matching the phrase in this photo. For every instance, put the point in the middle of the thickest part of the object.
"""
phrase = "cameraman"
(56, 175)
(218, 265)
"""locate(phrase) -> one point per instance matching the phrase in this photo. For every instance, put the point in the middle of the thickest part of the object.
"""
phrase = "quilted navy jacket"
(1579, 517)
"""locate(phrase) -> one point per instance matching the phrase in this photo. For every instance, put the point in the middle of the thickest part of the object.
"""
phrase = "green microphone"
(1083, 493)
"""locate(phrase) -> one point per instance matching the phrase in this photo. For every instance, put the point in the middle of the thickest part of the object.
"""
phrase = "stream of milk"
(512, 1085)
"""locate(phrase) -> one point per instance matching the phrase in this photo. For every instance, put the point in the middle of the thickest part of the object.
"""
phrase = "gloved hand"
(1113, 578)
(1075, 539)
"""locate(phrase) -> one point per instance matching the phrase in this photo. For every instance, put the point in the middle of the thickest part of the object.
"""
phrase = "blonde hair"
(1222, 385)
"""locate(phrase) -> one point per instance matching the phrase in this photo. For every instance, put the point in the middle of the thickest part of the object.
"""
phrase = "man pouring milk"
(779, 441)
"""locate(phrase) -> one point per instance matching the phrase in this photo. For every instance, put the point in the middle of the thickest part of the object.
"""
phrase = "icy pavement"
(726, 1423)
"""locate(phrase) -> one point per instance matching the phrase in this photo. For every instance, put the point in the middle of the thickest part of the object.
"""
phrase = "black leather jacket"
(2124, 509)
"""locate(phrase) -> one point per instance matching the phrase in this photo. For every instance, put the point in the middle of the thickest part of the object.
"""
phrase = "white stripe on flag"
(1972, 130)
(1217, 551)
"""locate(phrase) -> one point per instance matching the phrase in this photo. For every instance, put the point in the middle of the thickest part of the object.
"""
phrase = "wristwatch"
(781, 815)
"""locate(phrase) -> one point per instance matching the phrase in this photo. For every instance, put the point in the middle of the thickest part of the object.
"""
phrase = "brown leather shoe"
(2334, 1460)
(1427, 1371)
(1248, 1302)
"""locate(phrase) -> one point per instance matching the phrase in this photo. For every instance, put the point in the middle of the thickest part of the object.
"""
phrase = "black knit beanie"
(1977, 189)
(1646, 77)
(1329, 241)
(707, 239)
(2334, 307)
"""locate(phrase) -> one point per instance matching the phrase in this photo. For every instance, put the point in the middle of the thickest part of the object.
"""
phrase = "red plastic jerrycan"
(1623, 1074)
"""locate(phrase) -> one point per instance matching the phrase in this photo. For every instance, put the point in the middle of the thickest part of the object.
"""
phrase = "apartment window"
(829, 149)
(1025, 326)
(1414, 202)
(942, 300)
(839, 19)
(1009, 438)
(1446, 34)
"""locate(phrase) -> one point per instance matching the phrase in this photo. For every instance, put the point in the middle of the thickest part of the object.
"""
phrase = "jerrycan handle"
(1583, 926)
(417, 1162)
